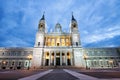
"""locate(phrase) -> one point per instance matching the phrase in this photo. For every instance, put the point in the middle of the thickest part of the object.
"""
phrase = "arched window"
(26, 63)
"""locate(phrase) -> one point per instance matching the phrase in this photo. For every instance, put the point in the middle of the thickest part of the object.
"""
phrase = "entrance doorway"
(58, 61)
(57, 44)
(47, 62)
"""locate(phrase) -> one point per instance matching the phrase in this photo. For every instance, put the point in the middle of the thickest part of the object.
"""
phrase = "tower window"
(76, 43)
(38, 43)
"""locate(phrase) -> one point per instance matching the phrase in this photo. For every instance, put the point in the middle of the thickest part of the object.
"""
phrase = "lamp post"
(111, 63)
(4, 62)
(29, 57)
(85, 58)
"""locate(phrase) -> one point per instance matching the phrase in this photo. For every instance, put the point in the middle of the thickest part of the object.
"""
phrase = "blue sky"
(98, 20)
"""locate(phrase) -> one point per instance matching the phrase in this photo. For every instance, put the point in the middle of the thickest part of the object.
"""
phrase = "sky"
(98, 20)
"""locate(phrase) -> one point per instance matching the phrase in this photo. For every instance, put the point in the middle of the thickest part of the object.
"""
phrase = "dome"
(58, 25)
(58, 28)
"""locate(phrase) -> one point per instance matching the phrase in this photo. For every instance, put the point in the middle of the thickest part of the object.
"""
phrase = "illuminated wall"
(57, 41)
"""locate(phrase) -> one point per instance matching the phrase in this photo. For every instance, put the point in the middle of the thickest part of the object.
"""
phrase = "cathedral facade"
(59, 48)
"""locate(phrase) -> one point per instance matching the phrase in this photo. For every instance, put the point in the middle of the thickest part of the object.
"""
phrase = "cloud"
(102, 34)
(98, 20)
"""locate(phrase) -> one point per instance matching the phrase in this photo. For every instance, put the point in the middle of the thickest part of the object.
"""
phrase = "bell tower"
(76, 44)
(74, 25)
(41, 26)
(39, 44)
(75, 32)
(40, 33)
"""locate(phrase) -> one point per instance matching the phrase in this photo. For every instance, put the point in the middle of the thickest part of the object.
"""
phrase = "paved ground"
(102, 74)
(36, 76)
(16, 74)
(58, 74)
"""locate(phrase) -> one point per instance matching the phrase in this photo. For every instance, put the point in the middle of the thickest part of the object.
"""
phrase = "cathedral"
(58, 48)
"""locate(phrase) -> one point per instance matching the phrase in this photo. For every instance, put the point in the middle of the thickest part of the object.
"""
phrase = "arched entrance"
(58, 59)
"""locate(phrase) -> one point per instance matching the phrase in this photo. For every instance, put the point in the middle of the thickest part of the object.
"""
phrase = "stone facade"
(58, 48)
(15, 58)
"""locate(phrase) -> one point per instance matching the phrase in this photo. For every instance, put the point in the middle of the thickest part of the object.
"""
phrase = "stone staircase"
(59, 67)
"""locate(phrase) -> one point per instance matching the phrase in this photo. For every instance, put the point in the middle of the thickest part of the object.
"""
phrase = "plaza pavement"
(16, 74)
(62, 74)
(85, 77)
(51, 74)
(36, 76)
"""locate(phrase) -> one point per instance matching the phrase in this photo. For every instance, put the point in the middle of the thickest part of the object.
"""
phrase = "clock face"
(74, 25)
(41, 25)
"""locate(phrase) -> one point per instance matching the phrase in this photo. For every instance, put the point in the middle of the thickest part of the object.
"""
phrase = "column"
(44, 59)
(71, 58)
(65, 41)
(61, 58)
(66, 58)
(49, 58)
(55, 41)
(46, 41)
(55, 58)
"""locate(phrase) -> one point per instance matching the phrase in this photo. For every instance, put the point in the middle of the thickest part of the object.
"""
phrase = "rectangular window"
(13, 63)
(57, 44)
(38, 43)
(19, 63)
(76, 43)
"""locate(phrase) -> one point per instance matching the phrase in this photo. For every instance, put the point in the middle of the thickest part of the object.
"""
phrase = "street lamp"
(29, 57)
(85, 58)
(111, 62)
(4, 62)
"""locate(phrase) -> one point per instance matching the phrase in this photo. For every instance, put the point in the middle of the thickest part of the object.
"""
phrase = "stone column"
(46, 41)
(66, 58)
(65, 41)
(55, 41)
(61, 58)
(55, 58)
(71, 59)
(44, 58)
(49, 58)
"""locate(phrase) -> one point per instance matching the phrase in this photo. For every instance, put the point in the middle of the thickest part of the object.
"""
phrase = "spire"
(73, 19)
(43, 18)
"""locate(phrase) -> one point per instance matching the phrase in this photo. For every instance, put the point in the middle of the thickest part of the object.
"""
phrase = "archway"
(58, 59)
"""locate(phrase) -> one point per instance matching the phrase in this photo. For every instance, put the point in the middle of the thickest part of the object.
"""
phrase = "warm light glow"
(111, 61)
(63, 42)
(68, 57)
(85, 56)
(53, 42)
(58, 41)
(47, 55)
(30, 56)
(4, 62)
